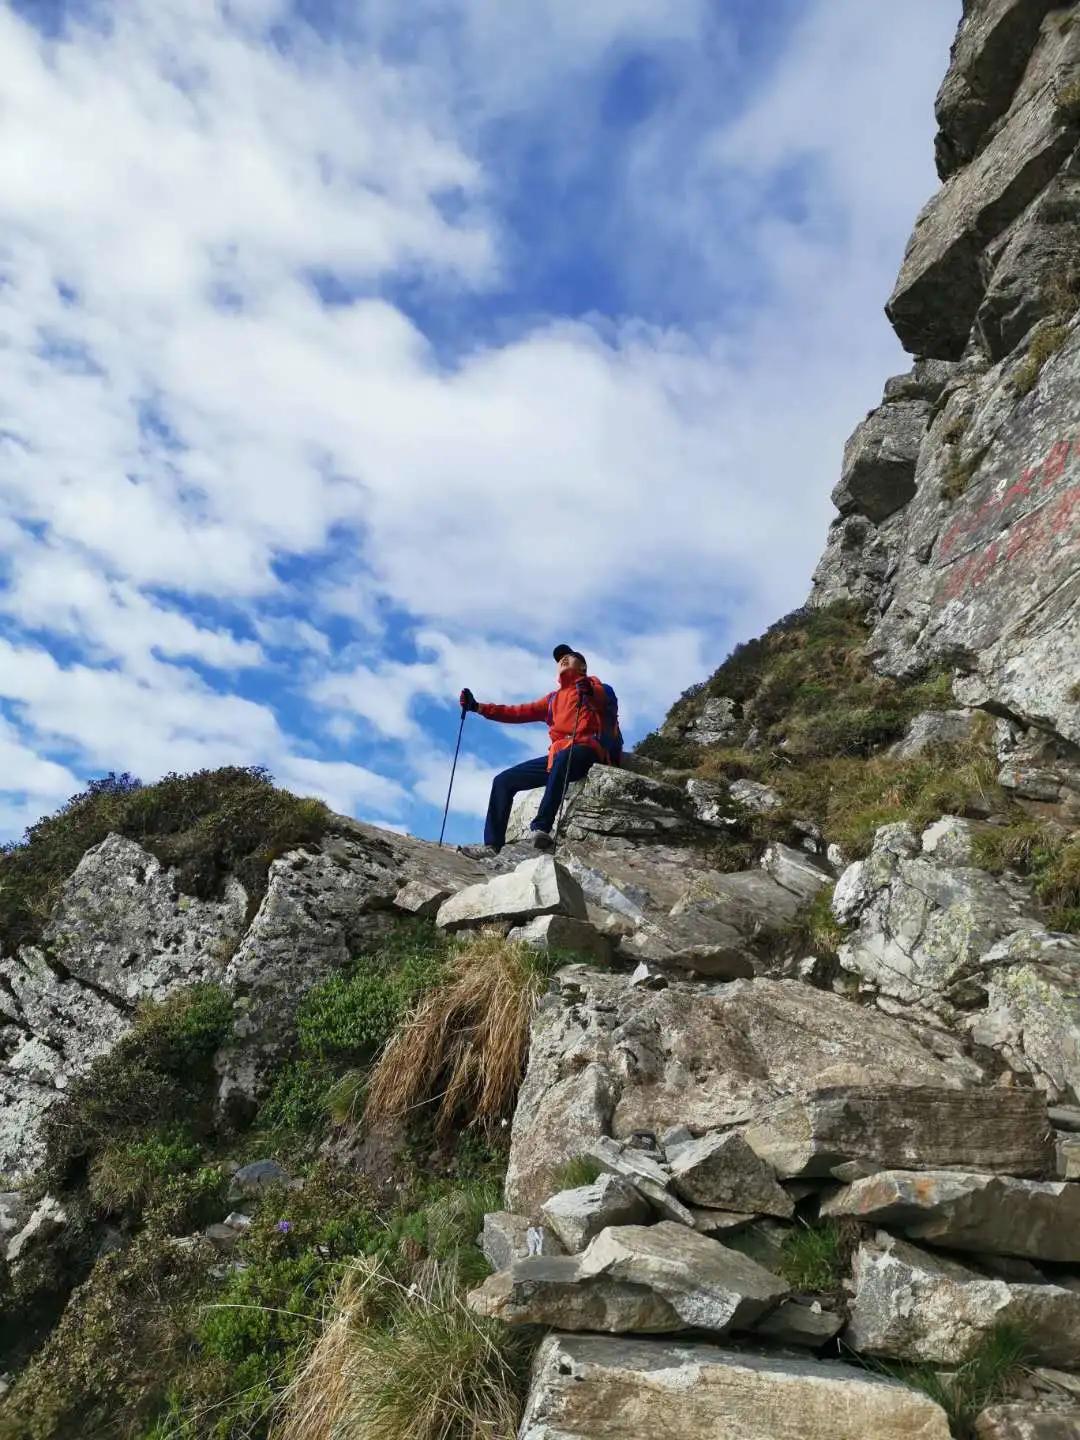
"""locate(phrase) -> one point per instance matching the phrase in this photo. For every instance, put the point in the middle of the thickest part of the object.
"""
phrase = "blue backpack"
(610, 736)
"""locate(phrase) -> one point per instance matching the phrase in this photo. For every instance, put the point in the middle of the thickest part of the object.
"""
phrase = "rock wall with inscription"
(959, 499)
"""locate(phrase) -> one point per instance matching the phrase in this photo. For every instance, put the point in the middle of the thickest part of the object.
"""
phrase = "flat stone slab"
(554, 1292)
(594, 1388)
(1028, 1422)
(1038, 1220)
(911, 1305)
(707, 1285)
(578, 1216)
(505, 1238)
(535, 887)
(724, 1173)
(886, 1127)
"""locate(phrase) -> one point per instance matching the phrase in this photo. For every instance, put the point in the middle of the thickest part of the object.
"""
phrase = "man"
(579, 701)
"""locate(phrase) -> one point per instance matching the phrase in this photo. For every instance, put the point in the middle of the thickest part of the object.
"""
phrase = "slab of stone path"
(1002, 1131)
(1038, 1220)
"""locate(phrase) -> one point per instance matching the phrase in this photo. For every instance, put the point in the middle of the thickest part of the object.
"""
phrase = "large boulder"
(577, 1216)
(879, 461)
(1032, 1015)
(722, 1172)
(920, 929)
(1039, 1220)
(593, 1388)
(883, 1127)
(607, 1058)
(542, 1291)
(941, 283)
(911, 1305)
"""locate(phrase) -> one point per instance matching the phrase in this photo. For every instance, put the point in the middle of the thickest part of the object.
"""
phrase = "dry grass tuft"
(466, 1043)
(400, 1362)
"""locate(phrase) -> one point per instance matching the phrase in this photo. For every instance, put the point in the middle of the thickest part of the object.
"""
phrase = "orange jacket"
(563, 703)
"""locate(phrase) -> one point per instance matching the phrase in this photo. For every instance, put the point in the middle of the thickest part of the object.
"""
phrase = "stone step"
(540, 886)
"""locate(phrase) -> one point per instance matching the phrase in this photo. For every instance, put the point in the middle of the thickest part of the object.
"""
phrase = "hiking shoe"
(542, 840)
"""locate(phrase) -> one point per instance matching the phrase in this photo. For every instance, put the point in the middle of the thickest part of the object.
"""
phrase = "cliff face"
(959, 499)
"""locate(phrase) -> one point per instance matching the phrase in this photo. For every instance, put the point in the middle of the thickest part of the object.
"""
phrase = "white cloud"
(212, 467)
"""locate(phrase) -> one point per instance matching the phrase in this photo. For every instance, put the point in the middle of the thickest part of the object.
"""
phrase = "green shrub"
(959, 474)
(158, 1076)
(817, 930)
(581, 1170)
(297, 1098)
(209, 825)
(988, 1376)
(816, 1257)
(124, 1176)
(1046, 343)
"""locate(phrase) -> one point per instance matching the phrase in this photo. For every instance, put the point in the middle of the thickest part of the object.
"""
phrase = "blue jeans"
(530, 775)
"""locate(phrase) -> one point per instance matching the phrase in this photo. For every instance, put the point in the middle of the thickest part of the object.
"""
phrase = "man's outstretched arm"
(509, 714)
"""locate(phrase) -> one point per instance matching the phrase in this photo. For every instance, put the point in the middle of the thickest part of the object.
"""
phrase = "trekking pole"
(566, 777)
(453, 771)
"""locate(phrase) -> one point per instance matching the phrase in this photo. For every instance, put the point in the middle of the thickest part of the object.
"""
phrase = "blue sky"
(358, 352)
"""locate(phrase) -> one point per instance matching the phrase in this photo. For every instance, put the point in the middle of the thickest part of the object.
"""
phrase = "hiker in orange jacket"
(578, 701)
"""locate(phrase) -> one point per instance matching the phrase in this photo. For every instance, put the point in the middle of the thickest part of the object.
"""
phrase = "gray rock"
(577, 1216)
(924, 381)
(1039, 1220)
(949, 840)
(940, 286)
(1067, 1151)
(594, 1388)
(716, 723)
(616, 803)
(503, 1239)
(791, 869)
(251, 1180)
(911, 1305)
(554, 1123)
(421, 897)
(921, 929)
(1025, 1422)
(710, 801)
(608, 1057)
(792, 1323)
(988, 60)
(721, 1172)
(879, 460)
(649, 1178)
(562, 934)
(719, 1223)
(554, 1292)
(758, 799)
(222, 1237)
(933, 728)
(999, 1131)
(707, 1285)
(763, 1241)
(692, 940)
(535, 887)
(47, 1220)
(676, 1136)
(1032, 1016)
(14, 1212)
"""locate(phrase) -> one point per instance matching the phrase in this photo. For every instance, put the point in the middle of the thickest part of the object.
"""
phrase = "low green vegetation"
(581, 1170)
(1067, 103)
(988, 1376)
(1047, 342)
(817, 930)
(816, 1257)
(808, 690)
(1044, 854)
(959, 473)
(211, 824)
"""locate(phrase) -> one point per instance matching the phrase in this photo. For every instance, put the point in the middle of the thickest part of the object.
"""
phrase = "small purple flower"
(284, 1226)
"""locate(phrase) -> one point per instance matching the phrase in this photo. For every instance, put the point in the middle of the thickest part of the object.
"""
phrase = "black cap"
(561, 650)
